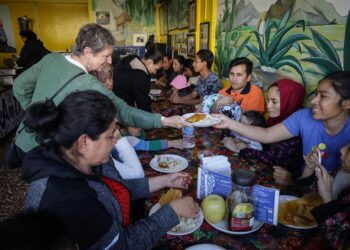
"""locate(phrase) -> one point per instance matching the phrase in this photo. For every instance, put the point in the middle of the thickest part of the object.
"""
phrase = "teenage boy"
(208, 82)
(247, 95)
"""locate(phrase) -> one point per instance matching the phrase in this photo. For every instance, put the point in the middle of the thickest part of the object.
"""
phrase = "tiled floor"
(12, 187)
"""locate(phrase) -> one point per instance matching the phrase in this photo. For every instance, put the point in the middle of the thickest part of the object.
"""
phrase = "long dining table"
(209, 139)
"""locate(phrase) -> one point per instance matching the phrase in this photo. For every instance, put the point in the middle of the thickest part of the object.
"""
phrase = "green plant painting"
(173, 8)
(183, 14)
(142, 11)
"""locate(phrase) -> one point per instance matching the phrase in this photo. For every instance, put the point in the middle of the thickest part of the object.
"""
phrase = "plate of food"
(205, 247)
(186, 225)
(223, 227)
(294, 212)
(155, 92)
(201, 120)
(168, 163)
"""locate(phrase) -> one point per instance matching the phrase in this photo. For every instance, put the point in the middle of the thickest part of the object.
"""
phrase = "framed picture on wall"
(191, 45)
(163, 19)
(139, 39)
(204, 35)
(192, 16)
(173, 8)
(183, 14)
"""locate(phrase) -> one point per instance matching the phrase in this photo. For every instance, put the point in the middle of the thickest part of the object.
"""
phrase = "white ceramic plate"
(184, 228)
(207, 121)
(205, 247)
(223, 227)
(175, 163)
(155, 92)
(285, 198)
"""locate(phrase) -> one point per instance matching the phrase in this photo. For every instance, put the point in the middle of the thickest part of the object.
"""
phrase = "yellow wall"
(56, 22)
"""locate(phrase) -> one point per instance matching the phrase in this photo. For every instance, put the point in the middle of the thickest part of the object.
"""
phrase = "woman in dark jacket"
(32, 51)
(72, 176)
(132, 77)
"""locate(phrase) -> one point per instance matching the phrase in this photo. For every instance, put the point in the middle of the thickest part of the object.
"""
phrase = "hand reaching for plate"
(324, 183)
(178, 180)
(225, 121)
(175, 122)
(185, 207)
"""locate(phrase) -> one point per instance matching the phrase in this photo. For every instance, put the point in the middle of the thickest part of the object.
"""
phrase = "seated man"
(208, 82)
(247, 95)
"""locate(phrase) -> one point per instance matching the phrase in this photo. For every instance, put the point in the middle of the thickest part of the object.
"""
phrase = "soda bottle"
(188, 137)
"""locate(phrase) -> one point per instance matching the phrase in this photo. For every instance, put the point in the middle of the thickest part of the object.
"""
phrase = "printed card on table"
(265, 199)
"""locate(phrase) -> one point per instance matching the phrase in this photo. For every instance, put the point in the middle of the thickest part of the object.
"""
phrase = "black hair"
(243, 61)
(152, 52)
(206, 56)
(181, 59)
(84, 112)
(340, 81)
(28, 34)
(189, 65)
(32, 230)
(167, 56)
(255, 118)
(93, 36)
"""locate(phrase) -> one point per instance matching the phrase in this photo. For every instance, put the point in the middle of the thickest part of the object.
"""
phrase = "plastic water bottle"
(188, 137)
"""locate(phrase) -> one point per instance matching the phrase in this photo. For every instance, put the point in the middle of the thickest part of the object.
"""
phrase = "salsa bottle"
(240, 201)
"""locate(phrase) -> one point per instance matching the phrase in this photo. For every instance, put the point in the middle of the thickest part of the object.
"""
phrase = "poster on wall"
(173, 9)
(7, 41)
(192, 16)
(204, 36)
(183, 14)
(126, 17)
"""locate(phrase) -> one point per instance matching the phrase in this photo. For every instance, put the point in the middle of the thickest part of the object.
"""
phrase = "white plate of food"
(168, 163)
(155, 92)
(186, 225)
(223, 227)
(297, 215)
(201, 120)
(205, 247)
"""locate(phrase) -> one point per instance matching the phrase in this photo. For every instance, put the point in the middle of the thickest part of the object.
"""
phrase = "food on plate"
(297, 212)
(195, 117)
(213, 207)
(172, 194)
(163, 164)
(167, 162)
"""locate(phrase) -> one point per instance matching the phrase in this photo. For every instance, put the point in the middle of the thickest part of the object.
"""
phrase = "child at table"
(180, 87)
(333, 216)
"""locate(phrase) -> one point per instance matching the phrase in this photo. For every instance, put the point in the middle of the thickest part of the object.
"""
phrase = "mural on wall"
(125, 17)
(7, 41)
(301, 39)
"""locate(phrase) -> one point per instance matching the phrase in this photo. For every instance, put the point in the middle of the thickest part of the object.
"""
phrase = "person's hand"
(134, 131)
(161, 82)
(233, 144)
(185, 207)
(175, 122)
(178, 180)
(225, 121)
(176, 144)
(324, 183)
(198, 108)
(175, 98)
(311, 160)
(282, 176)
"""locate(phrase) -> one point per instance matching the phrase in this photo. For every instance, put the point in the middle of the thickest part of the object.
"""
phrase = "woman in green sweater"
(93, 49)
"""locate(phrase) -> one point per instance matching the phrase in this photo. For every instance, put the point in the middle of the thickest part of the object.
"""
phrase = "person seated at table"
(188, 69)
(105, 75)
(93, 49)
(208, 82)
(178, 65)
(33, 230)
(333, 216)
(132, 77)
(180, 87)
(284, 98)
(165, 72)
(246, 94)
(326, 125)
(71, 175)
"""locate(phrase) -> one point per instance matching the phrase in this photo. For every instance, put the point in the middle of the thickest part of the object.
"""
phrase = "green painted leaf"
(292, 62)
(263, 55)
(242, 46)
(255, 52)
(297, 47)
(278, 56)
(326, 47)
(290, 40)
(284, 19)
(329, 64)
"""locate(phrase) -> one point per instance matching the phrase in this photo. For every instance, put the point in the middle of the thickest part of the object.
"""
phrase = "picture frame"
(191, 45)
(192, 16)
(183, 14)
(173, 8)
(204, 35)
(139, 39)
(163, 11)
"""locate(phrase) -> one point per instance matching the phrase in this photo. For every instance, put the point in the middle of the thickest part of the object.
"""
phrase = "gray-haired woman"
(93, 49)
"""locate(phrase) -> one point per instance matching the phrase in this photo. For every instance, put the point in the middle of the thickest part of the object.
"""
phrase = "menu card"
(265, 199)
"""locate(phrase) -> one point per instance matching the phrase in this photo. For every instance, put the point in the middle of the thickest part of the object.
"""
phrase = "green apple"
(213, 207)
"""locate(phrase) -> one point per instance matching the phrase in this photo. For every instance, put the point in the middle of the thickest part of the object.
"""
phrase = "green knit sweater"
(43, 79)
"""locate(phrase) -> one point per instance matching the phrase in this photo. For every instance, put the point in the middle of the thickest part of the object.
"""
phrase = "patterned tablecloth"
(267, 237)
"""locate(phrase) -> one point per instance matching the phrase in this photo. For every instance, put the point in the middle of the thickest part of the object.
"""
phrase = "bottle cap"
(243, 177)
